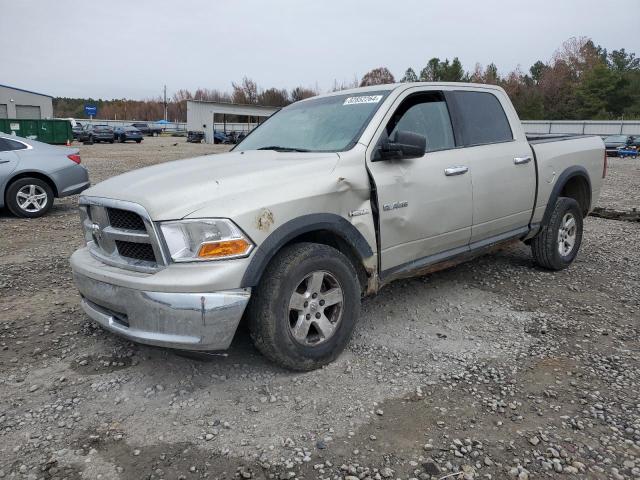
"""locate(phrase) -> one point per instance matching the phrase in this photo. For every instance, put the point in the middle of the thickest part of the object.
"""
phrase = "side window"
(483, 118)
(8, 145)
(426, 115)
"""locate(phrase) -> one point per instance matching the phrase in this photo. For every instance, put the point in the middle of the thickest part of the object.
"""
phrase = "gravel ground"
(492, 369)
(622, 189)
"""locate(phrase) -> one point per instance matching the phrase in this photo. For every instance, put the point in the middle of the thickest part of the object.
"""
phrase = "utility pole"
(165, 103)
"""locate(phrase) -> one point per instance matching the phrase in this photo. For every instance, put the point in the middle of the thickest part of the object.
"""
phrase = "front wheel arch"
(323, 228)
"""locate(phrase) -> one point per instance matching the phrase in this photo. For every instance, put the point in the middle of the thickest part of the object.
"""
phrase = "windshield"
(327, 124)
(616, 138)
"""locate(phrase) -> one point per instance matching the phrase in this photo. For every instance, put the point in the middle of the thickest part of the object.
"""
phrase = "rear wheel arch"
(573, 183)
(322, 228)
(28, 174)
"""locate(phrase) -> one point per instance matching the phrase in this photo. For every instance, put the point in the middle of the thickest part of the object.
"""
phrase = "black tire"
(111, 141)
(138, 141)
(11, 198)
(269, 314)
(546, 245)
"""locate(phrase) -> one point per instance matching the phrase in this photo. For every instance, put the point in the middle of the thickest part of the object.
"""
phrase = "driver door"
(425, 204)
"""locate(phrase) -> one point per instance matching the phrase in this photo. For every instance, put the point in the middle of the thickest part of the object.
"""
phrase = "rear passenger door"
(424, 205)
(500, 162)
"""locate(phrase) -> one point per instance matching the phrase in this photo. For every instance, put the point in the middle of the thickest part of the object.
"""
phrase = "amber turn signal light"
(225, 248)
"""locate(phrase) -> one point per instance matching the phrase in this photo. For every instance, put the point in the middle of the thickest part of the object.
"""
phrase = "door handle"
(522, 160)
(458, 170)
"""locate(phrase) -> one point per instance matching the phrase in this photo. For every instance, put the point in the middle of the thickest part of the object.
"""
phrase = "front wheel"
(303, 312)
(557, 245)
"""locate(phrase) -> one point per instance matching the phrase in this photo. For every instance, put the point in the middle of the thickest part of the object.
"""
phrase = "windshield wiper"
(283, 149)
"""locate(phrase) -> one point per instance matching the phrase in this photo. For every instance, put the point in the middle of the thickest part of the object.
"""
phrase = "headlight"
(196, 240)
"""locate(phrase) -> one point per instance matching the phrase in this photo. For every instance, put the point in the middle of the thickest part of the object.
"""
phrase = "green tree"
(622, 61)
(409, 76)
(537, 70)
(431, 72)
(595, 91)
(453, 72)
(491, 74)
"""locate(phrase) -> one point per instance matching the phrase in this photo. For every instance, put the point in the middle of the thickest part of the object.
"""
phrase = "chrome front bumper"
(187, 321)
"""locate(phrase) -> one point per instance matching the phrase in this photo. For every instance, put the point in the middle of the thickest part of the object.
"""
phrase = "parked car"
(194, 136)
(219, 137)
(76, 130)
(147, 130)
(613, 142)
(122, 134)
(235, 137)
(32, 174)
(91, 134)
(328, 200)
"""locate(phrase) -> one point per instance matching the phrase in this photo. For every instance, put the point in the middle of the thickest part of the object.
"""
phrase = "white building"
(24, 104)
(200, 116)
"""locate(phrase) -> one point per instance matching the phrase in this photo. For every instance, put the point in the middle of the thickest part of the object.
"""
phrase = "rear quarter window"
(483, 118)
(8, 145)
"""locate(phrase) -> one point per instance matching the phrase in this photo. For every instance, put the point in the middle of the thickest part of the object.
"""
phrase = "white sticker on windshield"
(362, 99)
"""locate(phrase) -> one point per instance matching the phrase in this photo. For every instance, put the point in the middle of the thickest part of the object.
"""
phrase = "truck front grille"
(125, 219)
(121, 234)
(137, 251)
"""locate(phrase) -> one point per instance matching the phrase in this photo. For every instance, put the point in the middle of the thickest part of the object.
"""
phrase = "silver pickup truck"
(327, 201)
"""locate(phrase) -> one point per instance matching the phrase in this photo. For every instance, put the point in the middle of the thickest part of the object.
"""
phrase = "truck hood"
(174, 190)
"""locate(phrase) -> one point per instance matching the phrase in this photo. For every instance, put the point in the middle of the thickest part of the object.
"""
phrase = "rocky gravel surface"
(493, 369)
(622, 189)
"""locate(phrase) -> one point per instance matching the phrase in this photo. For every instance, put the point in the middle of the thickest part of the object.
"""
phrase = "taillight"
(604, 165)
(74, 158)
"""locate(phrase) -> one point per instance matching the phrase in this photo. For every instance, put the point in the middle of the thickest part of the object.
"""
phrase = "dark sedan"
(76, 130)
(613, 142)
(122, 134)
(96, 133)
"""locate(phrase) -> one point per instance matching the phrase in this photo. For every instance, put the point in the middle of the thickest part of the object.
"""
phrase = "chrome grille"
(121, 234)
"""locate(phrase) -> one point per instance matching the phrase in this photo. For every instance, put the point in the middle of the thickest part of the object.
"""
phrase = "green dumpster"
(48, 131)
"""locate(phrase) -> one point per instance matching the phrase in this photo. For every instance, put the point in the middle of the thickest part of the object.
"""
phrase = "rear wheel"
(557, 245)
(29, 197)
(302, 314)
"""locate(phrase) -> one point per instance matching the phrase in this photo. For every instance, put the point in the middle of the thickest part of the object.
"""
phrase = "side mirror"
(404, 145)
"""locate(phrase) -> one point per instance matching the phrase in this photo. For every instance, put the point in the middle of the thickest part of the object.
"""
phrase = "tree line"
(581, 80)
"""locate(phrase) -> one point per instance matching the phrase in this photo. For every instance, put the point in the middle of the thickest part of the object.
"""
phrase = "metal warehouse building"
(19, 103)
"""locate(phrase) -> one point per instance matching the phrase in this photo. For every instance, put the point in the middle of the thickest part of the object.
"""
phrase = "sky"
(131, 49)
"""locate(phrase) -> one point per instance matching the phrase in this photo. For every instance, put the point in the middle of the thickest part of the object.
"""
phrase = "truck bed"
(559, 156)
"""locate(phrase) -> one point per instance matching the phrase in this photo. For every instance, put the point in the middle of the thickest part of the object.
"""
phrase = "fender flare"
(565, 176)
(298, 226)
